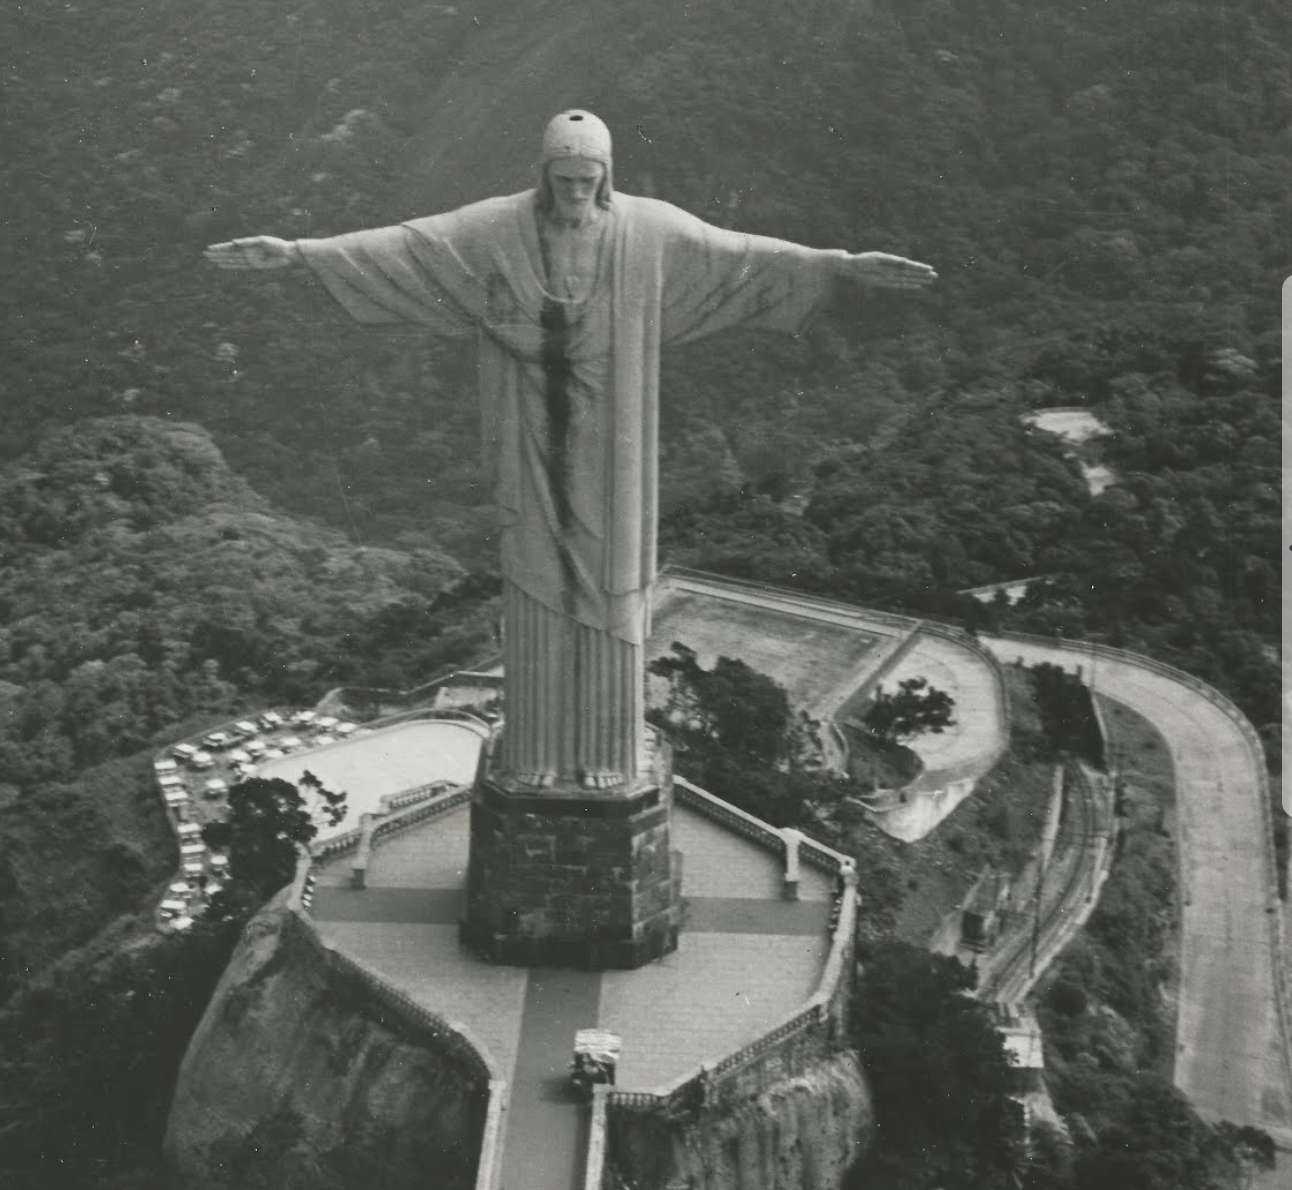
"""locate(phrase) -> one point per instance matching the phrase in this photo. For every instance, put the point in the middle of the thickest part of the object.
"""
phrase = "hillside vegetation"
(1101, 187)
(146, 592)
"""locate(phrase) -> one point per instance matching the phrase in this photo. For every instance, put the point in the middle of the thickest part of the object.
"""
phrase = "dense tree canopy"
(939, 1072)
(912, 709)
(1101, 187)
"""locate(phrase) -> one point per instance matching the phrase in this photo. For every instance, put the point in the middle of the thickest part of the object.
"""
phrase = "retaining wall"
(437, 1033)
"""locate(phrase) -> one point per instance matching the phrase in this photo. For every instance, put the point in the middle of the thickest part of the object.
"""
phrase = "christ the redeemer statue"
(568, 291)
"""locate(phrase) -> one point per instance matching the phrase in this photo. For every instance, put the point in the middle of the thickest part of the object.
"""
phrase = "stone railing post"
(359, 867)
(792, 838)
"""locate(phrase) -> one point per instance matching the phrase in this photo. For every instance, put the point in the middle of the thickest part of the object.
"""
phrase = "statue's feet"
(540, 780)
(602, 779)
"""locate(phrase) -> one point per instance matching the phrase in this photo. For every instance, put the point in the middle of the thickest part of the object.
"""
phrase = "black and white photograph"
(644, 596)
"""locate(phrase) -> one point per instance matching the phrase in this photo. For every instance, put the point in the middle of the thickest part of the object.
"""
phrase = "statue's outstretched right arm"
(254, 252)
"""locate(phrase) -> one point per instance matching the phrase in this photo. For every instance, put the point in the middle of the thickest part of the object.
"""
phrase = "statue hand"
(255, 252)
(888, 272)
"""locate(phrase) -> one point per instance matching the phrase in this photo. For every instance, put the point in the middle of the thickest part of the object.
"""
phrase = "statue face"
(574, 183)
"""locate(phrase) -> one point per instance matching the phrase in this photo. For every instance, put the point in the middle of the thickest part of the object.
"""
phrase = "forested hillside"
(1102, 187)
(145, 591)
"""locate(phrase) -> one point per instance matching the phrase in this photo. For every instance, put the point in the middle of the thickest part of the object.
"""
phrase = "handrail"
(489, 1167)
(855, 610)
(594, 1163)
(340, 694)
(739, 820)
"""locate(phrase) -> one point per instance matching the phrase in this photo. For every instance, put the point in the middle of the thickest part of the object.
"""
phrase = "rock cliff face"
(297, 1077)
(801, 1132)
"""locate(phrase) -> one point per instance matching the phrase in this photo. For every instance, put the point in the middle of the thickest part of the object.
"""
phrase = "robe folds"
(569, 404)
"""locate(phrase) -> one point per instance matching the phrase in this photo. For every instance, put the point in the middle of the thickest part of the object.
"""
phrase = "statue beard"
(545, 199)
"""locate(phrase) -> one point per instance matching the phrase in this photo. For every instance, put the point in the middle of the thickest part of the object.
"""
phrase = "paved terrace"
(747, 958)
(821, 651)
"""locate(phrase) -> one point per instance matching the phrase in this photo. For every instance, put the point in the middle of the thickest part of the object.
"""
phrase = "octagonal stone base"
(572, 878)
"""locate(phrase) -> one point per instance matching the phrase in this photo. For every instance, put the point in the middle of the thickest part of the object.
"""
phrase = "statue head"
(576, 148)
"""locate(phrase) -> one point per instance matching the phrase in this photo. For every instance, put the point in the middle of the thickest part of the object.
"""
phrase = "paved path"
(1232, 1057)
(746, 959)
(978, 730)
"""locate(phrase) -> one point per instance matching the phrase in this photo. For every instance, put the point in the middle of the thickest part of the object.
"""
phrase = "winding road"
(1232, 1056)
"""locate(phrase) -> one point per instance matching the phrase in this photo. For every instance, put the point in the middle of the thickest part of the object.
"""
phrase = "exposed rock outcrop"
(802, 1132)
(298, 1076)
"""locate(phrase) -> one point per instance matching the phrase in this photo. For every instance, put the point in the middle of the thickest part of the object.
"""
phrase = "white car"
(176, 796)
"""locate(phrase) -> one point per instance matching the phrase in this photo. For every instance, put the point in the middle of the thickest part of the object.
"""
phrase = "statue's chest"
(572, 257)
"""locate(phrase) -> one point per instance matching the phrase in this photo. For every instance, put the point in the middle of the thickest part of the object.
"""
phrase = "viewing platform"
(747, 959)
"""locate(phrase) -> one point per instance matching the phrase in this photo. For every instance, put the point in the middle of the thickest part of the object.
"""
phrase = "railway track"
(1037, 939)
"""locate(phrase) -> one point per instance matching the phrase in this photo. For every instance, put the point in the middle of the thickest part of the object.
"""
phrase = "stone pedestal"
(572, 877)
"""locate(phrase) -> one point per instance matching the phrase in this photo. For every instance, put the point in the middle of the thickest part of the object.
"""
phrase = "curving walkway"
(972, 743)
(1232, 1057)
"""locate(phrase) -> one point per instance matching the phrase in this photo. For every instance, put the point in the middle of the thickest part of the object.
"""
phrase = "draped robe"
(569, 402)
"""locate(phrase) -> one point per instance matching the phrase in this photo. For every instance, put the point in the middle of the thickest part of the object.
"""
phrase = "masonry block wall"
(572, 878)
